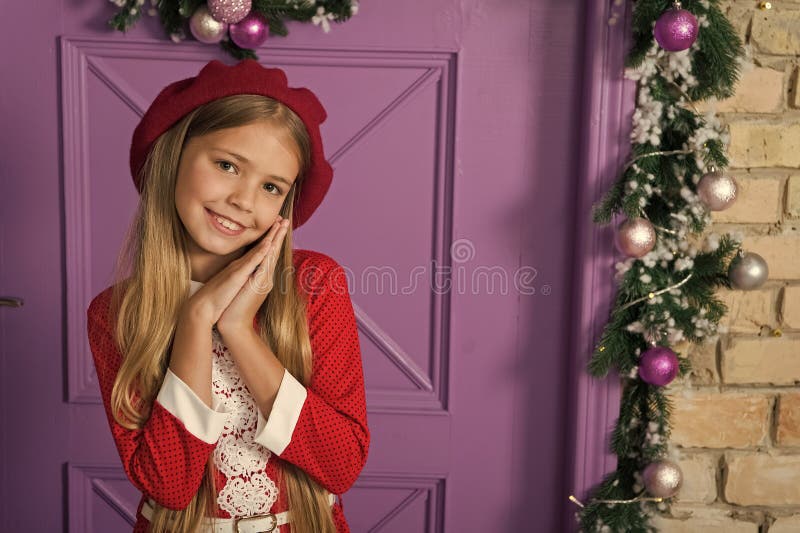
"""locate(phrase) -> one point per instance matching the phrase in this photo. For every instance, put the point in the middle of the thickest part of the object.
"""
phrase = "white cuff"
(275, 433)
(200, 420)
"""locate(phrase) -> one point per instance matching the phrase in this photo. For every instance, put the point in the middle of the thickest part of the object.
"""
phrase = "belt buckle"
(257, 517)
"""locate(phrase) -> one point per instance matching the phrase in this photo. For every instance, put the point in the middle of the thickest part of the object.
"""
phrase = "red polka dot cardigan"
(321, 428)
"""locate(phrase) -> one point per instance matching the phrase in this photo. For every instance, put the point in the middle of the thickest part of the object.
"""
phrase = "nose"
(243, 196)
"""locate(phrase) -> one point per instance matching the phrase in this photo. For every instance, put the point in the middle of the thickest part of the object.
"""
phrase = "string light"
(775, 332)
(649, 154)
(652, 295)
(639, 498)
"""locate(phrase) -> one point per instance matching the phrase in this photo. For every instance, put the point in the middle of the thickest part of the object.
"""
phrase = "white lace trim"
(248, 491)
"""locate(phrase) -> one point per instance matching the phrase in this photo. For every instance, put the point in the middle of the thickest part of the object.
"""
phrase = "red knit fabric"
(330, 441)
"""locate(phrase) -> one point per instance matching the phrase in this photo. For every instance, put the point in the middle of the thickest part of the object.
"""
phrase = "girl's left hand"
(244, 306)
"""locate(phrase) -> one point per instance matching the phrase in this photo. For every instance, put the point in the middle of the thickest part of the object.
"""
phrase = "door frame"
(605, 144)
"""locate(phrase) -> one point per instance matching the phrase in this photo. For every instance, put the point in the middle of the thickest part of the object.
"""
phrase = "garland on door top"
(681, 54)
(238, 26)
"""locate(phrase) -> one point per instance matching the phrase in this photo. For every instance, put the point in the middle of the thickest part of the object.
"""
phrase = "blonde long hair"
(154, 264)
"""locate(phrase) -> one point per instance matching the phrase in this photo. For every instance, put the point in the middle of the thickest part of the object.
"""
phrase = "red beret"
(217, 80)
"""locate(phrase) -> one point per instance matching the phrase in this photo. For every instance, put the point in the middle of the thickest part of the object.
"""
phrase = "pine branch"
(277, 27)
(234, 50)
(670, 293)
(645, 14)
(173, 15)
(171, 19)
(715, 64)
(186, 8)
(124, 19)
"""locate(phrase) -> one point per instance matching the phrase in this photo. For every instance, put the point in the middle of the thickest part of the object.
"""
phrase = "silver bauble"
(206, 28)
(635, 237)
(662, 479)
(717, 191)
(748, 271)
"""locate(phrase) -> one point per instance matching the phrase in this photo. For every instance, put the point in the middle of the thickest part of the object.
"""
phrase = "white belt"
(262, 523)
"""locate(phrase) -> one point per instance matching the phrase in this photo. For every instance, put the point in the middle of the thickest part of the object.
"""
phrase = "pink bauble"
(717, 191)
(676, 29)
(206, 28)
(658, 366)
(662, 479)
(230, 11)
(635, 237)
(251, 31)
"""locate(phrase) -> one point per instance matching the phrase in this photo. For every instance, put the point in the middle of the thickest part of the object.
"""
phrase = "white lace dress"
(248, 491)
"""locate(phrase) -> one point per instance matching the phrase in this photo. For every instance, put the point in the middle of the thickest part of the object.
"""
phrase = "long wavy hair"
(152, 280)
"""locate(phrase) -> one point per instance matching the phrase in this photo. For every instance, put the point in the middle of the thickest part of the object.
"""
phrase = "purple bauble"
(676, 29)
(251, 31)
(230, 11)
(658, 366)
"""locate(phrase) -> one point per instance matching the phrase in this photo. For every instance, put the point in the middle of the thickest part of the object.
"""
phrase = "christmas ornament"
(662, 479)
(635, 237)
(658, 366)
(251, 31)
(230, 11)
(669, 126)
(716, 190)
(747, 271)
(676, 29)
(172, 13)
(206, 28)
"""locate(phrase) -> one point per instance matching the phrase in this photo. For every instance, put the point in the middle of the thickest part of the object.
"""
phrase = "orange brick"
(714, 420)
(763, 479)
(761, 360)
(788, 433)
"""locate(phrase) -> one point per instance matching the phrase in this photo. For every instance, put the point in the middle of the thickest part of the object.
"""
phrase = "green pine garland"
(662, 188)
(173, 15)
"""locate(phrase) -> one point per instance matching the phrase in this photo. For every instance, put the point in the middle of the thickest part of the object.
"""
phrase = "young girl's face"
(240, 174)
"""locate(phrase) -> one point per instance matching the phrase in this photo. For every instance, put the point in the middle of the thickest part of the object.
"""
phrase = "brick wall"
(736, 423)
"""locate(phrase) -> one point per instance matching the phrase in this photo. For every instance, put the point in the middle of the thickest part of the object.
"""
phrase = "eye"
(277, 190)
(222, 161)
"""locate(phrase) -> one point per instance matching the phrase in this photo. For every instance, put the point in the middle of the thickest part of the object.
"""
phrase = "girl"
(229, 363)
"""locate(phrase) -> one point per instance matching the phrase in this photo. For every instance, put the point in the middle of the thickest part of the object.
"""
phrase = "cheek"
(191, 189)
(266, 220)
(199, 182)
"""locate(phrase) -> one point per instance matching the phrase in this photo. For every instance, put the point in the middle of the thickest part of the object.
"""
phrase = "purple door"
(453, 128)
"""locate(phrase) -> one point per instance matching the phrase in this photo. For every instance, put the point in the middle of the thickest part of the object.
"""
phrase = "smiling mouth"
(225, 219)
(225, 225)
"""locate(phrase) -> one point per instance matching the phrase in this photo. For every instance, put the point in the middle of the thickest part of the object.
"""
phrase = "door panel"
(451, 127)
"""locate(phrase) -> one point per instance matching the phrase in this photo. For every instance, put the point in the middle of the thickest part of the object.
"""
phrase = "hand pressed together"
(232, 297)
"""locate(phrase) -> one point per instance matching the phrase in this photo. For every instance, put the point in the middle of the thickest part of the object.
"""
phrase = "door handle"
(10, 301)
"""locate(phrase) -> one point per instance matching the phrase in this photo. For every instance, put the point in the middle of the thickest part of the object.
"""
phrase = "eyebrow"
(243, 159)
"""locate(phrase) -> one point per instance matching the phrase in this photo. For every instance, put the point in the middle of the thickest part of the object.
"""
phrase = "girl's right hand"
(209, 302)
